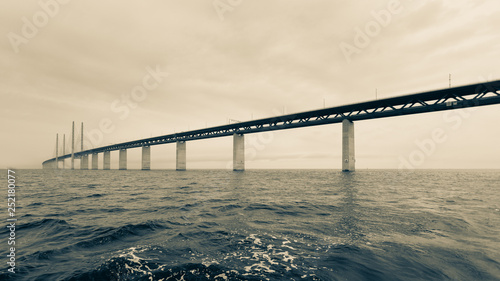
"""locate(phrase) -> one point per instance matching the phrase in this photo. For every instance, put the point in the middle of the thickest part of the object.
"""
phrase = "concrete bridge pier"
(238, 152)
(57, 151)
(84, 162)
(73, 146)
(95, 164)
(180, 164)
(106, 160)
(348, 159)
(64, 151)
(146, 157)
(122, 165)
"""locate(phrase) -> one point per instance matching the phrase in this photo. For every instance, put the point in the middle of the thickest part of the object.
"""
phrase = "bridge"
(473, 95)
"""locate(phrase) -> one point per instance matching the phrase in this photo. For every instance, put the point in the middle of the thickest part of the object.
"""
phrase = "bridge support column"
(57, 151)
(146, 157)
(95, 164)
(64, 151)
(238, 152)
(348, 159)
(180, 164)
(106, 160)
(73, 146)
(84, 162)
(122, 160)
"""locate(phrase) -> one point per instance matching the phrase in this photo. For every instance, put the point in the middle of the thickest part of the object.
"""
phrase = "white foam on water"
(267, 258)
(261, 267)
(222, 275)
(130, 255)
(256, 240)
(286, 256)
(209, 262)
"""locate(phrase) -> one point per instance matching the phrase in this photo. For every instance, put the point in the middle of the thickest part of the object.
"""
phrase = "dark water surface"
(256, 225)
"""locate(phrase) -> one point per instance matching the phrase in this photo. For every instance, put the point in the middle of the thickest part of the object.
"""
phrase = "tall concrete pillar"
(146, 157)
(106, 160)
(84, 162)
(348, 159)
(95, 164)
(123, 159)
(73, 146)
(81, 139)
(180, 164)
(64, 150)
(57, 151)
(238, 152)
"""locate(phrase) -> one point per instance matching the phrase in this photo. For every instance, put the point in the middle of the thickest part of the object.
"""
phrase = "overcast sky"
(204, 62)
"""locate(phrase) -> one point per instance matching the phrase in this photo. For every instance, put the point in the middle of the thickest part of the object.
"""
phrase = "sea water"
(255, 225)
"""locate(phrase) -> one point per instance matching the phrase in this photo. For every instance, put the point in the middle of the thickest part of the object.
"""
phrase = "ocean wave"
(111, 234)
(46, 255)
(45, 223)
(96, 195)
(229, 207)
(259, 206)
(124, 269)
(130, 265)
(36, 204)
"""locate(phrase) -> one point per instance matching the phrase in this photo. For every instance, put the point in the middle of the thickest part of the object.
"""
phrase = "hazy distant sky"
(80, 61)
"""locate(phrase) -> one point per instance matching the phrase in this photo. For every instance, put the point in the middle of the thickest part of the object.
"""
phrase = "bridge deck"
(446, 99)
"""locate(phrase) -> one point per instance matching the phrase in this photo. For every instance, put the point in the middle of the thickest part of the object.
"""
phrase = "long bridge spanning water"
(481, 94)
